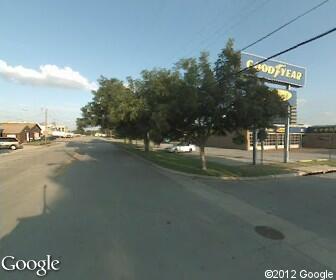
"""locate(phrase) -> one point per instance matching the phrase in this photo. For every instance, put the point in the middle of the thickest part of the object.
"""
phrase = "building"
(16, 130)
(301, 136)
(275, 139)
(320, 137)
(53, 127)
(35, 132)
(24, 132)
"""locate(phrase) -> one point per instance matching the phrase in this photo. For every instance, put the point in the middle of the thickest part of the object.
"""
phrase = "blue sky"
(121, 38)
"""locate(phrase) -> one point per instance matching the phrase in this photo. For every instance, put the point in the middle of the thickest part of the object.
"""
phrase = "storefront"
(276, 139)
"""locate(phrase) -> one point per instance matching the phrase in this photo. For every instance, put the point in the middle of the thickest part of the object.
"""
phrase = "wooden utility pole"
(46, 125)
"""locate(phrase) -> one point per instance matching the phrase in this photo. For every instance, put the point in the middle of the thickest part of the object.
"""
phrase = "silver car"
(10, 143)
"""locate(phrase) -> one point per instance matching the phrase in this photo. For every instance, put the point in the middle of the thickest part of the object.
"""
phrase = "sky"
(53, 52)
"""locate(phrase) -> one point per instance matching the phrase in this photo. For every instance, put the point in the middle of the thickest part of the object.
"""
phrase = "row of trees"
(191, 101)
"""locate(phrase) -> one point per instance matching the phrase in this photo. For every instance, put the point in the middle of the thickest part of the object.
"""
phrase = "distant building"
(322, 136)
(53, 127)
(23, 131)
(275, 139)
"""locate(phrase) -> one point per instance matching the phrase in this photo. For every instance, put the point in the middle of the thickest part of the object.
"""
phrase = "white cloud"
(46, 75)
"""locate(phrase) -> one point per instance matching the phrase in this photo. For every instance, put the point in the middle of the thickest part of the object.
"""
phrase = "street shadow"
(76, 229)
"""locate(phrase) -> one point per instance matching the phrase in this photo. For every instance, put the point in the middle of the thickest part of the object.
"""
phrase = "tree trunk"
(146, 142)
(255, 140)
(202, 155)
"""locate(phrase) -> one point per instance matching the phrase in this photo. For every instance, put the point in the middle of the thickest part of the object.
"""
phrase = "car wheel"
(13, 147)
(190, 150)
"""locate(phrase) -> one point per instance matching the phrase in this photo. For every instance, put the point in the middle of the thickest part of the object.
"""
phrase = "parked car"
(182, 148)
(10, 143)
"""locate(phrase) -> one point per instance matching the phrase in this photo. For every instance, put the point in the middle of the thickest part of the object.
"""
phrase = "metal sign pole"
(287, 135)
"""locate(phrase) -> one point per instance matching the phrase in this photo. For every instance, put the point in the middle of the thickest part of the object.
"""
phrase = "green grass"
(180, 162)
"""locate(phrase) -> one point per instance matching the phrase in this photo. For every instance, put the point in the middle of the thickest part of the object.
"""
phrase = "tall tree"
(252, 105)
(154, 92)
(105, 99)
(201, 111)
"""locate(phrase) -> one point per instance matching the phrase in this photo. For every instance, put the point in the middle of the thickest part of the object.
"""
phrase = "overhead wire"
(291, 48)
(285, 24)
(244, 13)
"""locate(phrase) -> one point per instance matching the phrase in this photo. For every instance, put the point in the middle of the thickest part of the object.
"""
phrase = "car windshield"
(173, 140)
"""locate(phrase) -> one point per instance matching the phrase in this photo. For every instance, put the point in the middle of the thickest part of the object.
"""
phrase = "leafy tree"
(105, 99)
(252, 105)
(201, 113)
(154, 92)
(192, 101)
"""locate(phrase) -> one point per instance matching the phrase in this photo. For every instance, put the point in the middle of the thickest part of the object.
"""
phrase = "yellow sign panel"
(284, 94)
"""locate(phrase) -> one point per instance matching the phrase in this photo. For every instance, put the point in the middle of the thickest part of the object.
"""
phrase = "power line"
(207, 28)
(240, 20)
(245, 12)
(284, 25)
(292, 48)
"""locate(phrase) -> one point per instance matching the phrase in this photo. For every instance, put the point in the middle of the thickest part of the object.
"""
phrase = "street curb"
(317, 172)
(196, 176)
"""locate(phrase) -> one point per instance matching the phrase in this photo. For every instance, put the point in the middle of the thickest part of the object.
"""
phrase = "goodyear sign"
(288, 96)
(275, 71)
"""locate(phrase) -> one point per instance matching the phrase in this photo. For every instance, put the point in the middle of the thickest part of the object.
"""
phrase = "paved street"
(109, 215)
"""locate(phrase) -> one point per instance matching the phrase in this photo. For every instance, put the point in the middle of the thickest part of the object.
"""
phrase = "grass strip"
(182, 163)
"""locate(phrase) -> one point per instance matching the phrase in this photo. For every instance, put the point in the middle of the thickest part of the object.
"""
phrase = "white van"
(10, 143)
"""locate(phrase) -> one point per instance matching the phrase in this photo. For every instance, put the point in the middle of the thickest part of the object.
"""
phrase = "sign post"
(287, 136)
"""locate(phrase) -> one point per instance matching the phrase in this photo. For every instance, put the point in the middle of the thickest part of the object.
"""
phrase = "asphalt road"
(106, 214)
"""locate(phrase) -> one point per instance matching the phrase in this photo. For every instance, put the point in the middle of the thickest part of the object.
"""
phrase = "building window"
(278, 139)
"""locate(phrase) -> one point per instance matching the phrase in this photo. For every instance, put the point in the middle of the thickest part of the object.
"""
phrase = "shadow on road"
(77, 230)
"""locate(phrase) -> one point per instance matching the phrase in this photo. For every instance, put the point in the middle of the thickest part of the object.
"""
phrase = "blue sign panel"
(293, 100)
(275, 71)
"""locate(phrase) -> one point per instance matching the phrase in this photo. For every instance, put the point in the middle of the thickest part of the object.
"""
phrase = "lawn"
(180, 162)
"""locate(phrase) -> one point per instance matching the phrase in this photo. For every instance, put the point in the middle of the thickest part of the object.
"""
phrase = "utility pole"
(287, 135)
(46, 125)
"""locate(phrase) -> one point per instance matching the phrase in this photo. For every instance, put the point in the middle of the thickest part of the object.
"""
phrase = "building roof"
(31, 125)
(13, 127)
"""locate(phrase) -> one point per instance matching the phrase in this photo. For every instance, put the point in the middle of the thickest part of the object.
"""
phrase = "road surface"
(106, 214)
